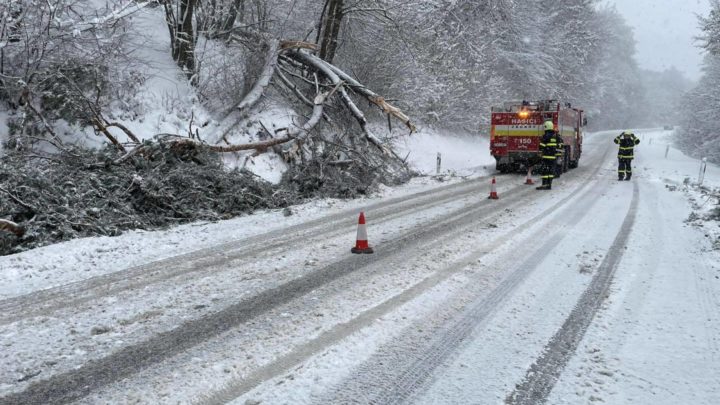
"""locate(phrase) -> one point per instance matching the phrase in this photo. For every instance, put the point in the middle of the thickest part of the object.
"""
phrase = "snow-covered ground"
(656, 339)
(485, 300)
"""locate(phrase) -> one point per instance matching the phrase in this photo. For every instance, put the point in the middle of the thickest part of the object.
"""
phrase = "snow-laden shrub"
(71, 90)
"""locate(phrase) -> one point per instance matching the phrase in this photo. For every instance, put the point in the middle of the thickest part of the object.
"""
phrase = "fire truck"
(517, 126)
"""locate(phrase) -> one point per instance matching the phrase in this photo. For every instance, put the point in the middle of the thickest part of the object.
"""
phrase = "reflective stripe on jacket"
(627, 145)
(548, 145)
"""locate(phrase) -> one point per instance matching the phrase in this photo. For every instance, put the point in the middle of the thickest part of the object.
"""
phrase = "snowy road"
(597, 290)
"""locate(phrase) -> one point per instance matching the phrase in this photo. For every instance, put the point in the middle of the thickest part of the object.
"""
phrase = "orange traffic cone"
(361, 245)
(493, 192)
(528, 179)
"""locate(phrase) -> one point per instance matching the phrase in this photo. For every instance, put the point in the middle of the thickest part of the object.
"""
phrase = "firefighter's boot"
(620, 177)
(627, 176)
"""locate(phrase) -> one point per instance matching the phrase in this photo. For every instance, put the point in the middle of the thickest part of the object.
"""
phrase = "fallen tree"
(174, 178)
(298, 56)
(313, 82)
(307, 78)
(62, 197)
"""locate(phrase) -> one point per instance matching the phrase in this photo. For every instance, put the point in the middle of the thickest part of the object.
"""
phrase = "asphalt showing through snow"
(543, 374)
(401, 369)
(206, 261)
(78, 383)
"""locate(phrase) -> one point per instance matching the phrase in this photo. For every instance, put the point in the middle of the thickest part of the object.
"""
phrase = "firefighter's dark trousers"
(547, 171)
(624, 168)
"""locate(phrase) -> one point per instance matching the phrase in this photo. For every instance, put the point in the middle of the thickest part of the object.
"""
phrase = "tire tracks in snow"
(431, 357)
(709, 299)
(543, 374)
(402, 368)
(75, 384)
(344, 330)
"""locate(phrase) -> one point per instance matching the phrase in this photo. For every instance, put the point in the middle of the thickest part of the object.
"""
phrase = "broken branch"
(12, 227)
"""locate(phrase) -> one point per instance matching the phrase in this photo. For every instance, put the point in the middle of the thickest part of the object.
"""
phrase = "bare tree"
(216, 17)
(54, 59)
(327, 36)
(699, 110)
(183, 37)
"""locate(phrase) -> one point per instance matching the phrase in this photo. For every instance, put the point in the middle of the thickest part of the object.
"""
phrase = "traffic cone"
(493, 192)
(361, 245)
(528, 179)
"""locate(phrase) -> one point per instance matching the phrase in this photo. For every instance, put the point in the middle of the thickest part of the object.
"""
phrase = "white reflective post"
(437, 170)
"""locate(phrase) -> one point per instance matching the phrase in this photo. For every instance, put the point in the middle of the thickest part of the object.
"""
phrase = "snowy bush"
(124, 95)
(71, 91)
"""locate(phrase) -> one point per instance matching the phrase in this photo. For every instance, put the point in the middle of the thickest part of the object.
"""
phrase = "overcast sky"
(664, 31)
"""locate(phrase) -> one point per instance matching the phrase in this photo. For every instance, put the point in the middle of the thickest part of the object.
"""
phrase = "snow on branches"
(299, 61)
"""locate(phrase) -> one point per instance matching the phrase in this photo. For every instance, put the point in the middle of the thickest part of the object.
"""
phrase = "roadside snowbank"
(459, 154)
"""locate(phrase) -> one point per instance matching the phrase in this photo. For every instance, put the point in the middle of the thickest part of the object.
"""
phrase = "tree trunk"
(262, 15)
(332, 15)
(185, 52)
(182, 36)
(321, 20)
(236, 8)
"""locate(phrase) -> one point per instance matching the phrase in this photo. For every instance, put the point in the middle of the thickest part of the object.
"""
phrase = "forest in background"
(445, 62)
(699, 110)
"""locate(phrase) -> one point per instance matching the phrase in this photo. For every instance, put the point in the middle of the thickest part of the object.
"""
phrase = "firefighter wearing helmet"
(548, 150)
(626, 141)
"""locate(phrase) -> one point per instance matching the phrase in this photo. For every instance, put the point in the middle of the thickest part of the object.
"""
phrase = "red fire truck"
(516, 128)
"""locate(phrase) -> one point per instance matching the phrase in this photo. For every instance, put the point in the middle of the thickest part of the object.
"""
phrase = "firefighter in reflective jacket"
(548, 150)
(627, 141)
